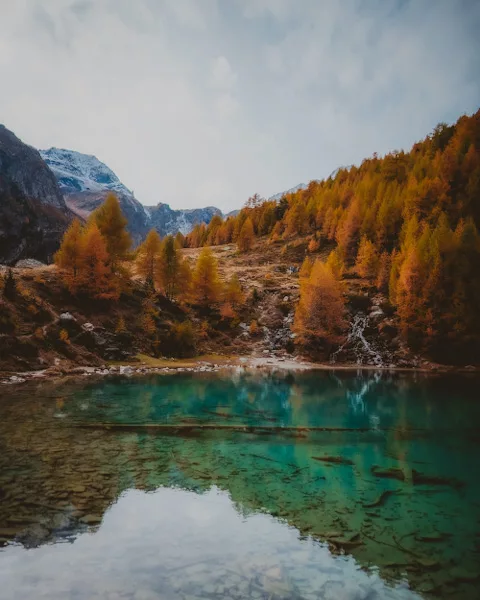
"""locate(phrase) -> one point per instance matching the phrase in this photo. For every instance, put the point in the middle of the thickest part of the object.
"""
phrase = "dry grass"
(178, 363)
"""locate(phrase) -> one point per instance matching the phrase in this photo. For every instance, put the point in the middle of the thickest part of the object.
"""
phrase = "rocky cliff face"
(170, 221)
(85, 181)
(33, 213)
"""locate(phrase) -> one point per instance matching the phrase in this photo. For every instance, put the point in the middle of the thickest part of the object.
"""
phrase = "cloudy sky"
(204, 102)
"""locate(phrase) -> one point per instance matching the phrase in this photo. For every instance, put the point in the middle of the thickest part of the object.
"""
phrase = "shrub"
(120, 328)
(64, 336)
(38, 334)
(182, 340)
(254, 328)
(9, 286)
(32, 309)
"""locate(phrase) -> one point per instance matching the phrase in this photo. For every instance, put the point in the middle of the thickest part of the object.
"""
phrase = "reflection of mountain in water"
(57, 479)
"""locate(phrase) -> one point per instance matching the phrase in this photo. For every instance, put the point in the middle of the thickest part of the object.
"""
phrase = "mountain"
(33, 213)
(167, 220)
(303, 186)
(280, 195)
(85, 181)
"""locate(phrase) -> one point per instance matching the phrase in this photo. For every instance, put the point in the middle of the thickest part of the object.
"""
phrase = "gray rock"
(29, 263)
(67, 317)
(33, 213)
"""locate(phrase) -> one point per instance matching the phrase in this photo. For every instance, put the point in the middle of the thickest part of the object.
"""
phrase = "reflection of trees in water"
(66, 475)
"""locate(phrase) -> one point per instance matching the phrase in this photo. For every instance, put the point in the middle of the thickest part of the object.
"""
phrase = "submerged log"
(417, 477)
(391, 473)
(336, 460)
(422, 479)
(380, 501)
(166, 428)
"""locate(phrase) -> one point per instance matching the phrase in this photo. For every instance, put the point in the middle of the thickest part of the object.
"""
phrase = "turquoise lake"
(334, 485)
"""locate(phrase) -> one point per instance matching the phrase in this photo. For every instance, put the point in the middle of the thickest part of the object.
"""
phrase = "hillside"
(33, 214)
(31, 323)
(406, 223)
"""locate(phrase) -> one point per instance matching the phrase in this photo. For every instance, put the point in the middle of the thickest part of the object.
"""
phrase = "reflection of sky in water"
(173, 543)
(389, 477)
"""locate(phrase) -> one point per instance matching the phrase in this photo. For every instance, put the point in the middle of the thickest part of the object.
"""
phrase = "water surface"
(242, 485)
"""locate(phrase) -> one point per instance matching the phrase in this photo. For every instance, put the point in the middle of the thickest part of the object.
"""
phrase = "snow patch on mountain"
(280, 195)
(77, 172)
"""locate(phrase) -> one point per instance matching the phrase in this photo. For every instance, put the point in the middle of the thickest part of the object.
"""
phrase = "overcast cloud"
(204, 102)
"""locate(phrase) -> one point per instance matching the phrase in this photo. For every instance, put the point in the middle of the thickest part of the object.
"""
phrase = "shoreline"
(210, 364)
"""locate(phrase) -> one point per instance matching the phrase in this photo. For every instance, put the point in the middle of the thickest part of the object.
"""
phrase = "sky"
(206, 102)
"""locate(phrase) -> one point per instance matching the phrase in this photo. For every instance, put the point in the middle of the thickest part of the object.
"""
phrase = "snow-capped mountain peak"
(85, 181)
(280, 195)
(76, 172)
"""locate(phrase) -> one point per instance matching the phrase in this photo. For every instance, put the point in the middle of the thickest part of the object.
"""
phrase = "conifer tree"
(234, 295)
(367, 259)
(168, 268)
(246, 236)
(148, 256)
(69, 256)
(112, 225)
(212, 230)
(306, 268)
(180, 240)
(239, 221)
(408, 291)
(383, 272)
(348, 229)
(206, 283)
(185, 277)
(336, 263)
(321, 306)
(96, 278)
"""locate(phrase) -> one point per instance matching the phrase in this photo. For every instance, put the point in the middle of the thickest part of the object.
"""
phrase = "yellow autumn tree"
(95, 278)
(69, 256)
(206, 283)
(246, 236)
(383, 272)
(234, 295)
(367, 259)
(168, 268)
(147, 257)
(306, 268)
(321, 307)
(336, 262)
(113, 226)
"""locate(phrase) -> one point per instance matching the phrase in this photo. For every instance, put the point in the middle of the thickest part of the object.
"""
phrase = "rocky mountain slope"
(85, 181)
(33, 213)
(167, 220)
(280, 195)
